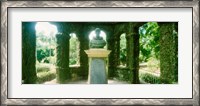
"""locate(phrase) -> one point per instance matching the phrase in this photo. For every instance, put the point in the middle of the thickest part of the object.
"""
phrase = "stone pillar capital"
(100, 53)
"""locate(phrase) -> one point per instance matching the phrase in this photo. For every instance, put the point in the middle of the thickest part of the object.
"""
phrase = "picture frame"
(5, 5)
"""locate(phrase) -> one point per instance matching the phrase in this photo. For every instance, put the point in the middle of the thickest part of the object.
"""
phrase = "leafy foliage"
(44, 76)
(169, 52)
(45, 47)
(149, 41)
(42, 68)
(150, 78)
(124, 74)
(74, 50)
(123, 49)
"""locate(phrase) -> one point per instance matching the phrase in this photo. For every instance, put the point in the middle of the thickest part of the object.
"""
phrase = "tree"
(149, 41)
(74, 50)
(45, 47)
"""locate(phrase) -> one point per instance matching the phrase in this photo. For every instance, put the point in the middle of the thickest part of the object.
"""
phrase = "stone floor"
(85, 82)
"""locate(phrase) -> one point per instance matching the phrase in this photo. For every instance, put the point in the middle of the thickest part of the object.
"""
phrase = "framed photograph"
(100, 52)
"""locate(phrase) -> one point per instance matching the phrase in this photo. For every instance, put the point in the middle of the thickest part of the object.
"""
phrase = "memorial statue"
(97, 41)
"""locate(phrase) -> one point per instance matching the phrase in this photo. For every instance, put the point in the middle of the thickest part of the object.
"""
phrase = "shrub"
(45, 76)
(43, 68)
(150, 78)
(124, 74)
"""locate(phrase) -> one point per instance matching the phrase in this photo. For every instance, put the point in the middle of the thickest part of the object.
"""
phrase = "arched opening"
(149, 51)
(123, 50)
(74, 57)
(45, 51)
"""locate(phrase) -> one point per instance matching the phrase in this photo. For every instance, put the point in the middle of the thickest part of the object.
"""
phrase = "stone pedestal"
(97, 66)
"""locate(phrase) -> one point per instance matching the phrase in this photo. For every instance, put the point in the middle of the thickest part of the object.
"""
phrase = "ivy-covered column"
(112, 63)
(84, 45)
(116, 51)
(113, 44)
(168, 52)
(175, 37)
(62, 40)
(110, 38)
(129, 52)
(136, 49)
(29, 53)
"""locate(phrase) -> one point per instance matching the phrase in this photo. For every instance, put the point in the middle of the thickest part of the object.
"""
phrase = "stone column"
(129, 50)
(117, 50)
(83, 57)
(62, 40)
(97, 66)
(136, 49)
(111, 63)
(84, 45)
(114, 46)
(29, 53)
(130, 55)
(110, 46)
(168, 52)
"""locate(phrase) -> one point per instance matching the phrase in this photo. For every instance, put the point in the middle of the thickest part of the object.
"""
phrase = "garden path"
(85, 82)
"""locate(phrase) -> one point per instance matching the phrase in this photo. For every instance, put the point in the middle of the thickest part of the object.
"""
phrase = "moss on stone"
(168, 53)
(63, 72)
(28, 53)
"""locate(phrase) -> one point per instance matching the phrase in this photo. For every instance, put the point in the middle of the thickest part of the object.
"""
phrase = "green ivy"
(124, 74)
(150, 78)
(169, 52)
